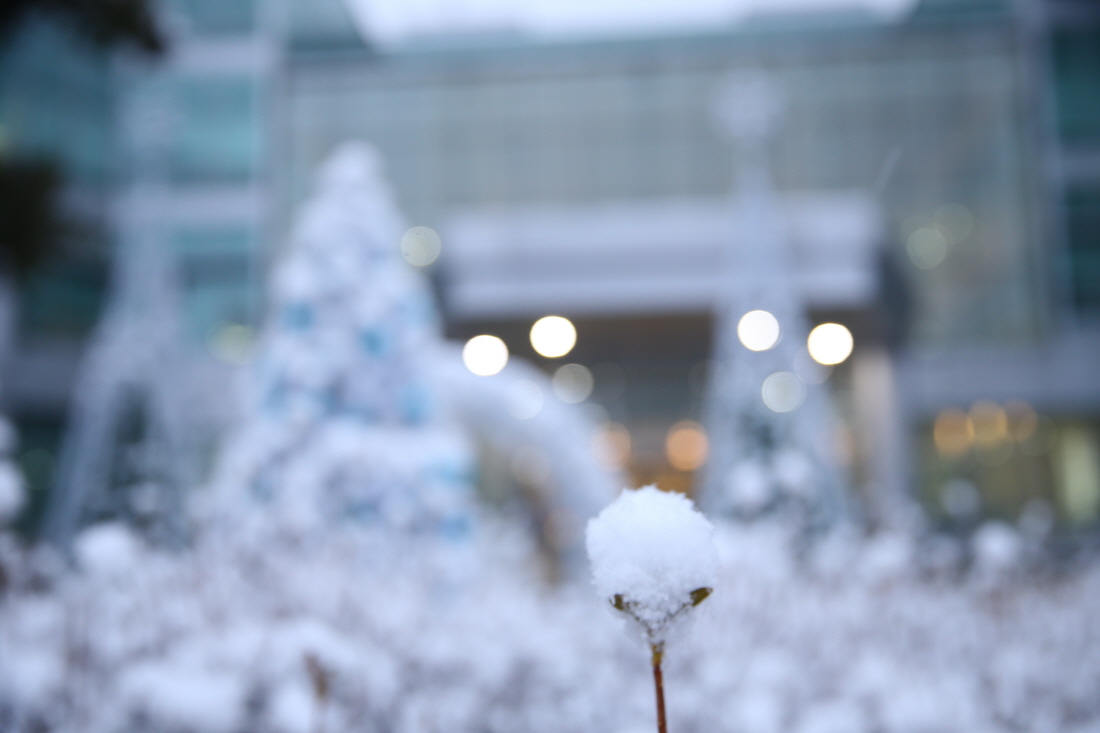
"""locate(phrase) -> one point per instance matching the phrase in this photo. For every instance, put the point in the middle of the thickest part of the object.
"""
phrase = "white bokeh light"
(572, 383)
(927, 248)
(830, 343)
(485, 355)
(420, 246)
(553, 336)
(758, 330)
(783, 392)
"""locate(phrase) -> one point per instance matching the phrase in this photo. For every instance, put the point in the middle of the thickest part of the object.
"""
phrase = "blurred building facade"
(941, 174)
(939, 171)
(178, 141)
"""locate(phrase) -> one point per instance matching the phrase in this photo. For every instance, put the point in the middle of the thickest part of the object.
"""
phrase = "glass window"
(218, 137)
(1083, 224)
(63, 299)
(55, 101)
(1077, 84)
(1008, 462)
(219, 16)
(216, 274)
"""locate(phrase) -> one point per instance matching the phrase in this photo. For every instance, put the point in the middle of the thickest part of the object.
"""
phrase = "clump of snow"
(653, 556)
(108, 548)
(997, 550)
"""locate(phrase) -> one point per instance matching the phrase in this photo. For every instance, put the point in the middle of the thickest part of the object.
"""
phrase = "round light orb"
(485, 355)
(758, 330)
(420, 246)
(830, 343)
(686, 445)
(553, 336)
(990, 422)
(611, 445)
(953, 432)
(927, 248)
(232, 343)
(960, 498)
(572, 383)
(783, 392)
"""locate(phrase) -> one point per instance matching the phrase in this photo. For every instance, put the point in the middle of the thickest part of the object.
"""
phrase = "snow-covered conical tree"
(770, 432)
(344, 426)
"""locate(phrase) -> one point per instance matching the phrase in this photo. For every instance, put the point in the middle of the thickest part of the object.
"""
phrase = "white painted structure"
(656, 256)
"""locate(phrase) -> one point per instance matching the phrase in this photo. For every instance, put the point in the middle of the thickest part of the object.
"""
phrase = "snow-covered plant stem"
(653, 557)
(658, 651)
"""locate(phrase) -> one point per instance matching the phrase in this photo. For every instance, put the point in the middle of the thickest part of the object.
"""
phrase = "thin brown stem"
(659, 685)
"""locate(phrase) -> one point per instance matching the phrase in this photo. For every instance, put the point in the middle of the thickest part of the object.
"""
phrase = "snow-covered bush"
(849, 638)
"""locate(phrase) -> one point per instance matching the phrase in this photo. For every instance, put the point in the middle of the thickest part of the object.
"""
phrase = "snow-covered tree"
(770, 433)
(344, 424)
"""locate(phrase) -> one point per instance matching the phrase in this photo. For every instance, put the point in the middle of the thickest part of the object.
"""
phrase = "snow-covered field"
(270, 631)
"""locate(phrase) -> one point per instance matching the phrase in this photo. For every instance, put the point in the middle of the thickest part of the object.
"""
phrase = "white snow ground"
(218, 639)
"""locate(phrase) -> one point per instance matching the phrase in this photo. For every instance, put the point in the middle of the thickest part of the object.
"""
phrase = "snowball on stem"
(653, 557)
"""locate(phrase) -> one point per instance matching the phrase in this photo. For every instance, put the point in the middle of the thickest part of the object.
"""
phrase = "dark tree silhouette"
(31, 224)
(106, 23)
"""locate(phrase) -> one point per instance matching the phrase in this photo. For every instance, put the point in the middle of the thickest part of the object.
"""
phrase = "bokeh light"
(686, 445)
(1022, 420)
(989, 423)
(954, 222)
(612, 446)
(830, 343)
(960, 498)
(572, 383)
(953, 432)
(926, 247)
(783, 392)
(553, 336)
(231, 343)
(420, 246)
(758, 330)
(485, 355)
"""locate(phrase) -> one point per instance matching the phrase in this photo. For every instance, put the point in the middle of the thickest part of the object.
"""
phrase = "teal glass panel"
(55, 102)
(1083, 219)
(216, 276)
(63, 299)
(220, 16)
(218, 135)
(1077, 84)
(213, 241)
